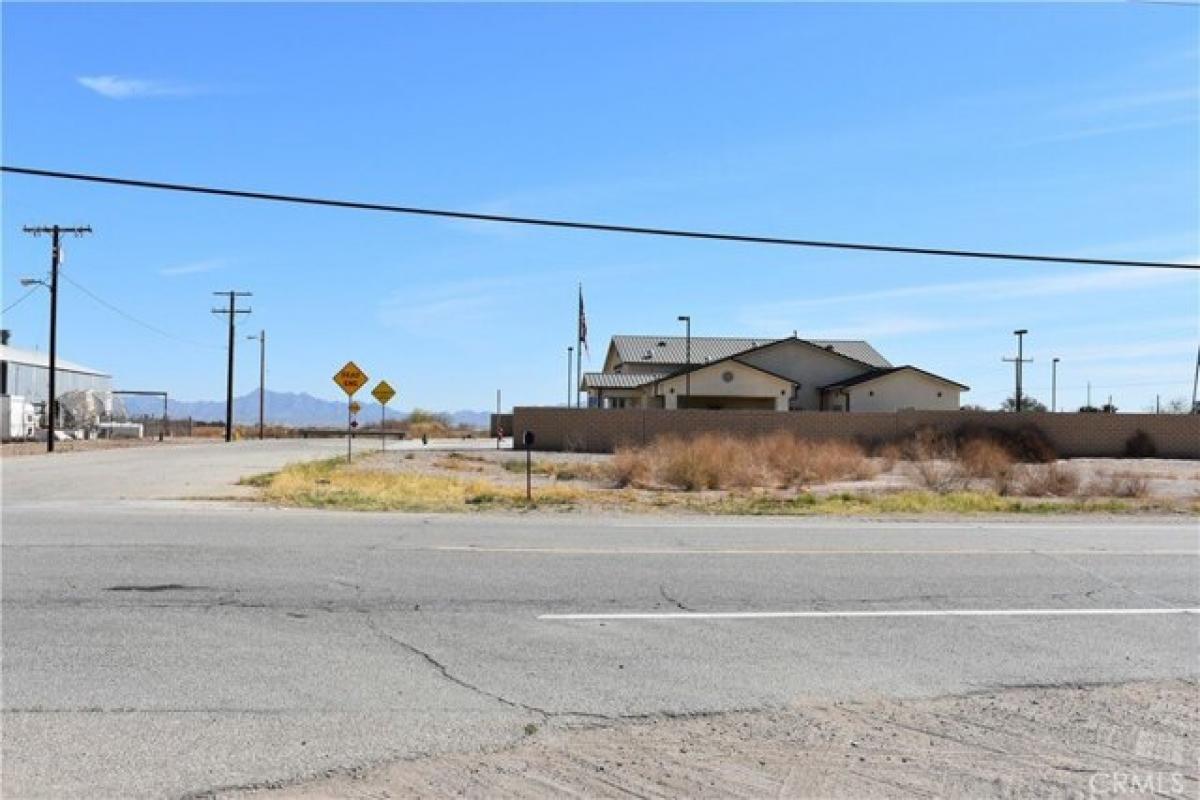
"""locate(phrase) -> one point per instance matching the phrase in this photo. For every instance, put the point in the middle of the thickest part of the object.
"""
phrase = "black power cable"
(590, 226)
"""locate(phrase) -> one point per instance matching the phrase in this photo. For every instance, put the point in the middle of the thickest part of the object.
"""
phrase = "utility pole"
(56, 232)
(1054, 384)
(1195, 381)
(570, 350)
(1019, 361)
(687, 349)
(232, 311)
(262, 378)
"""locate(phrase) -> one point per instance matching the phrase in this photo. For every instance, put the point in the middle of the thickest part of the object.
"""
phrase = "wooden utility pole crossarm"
(232, 311)
(55, 232)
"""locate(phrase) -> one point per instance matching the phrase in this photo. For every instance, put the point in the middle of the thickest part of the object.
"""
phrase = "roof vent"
(649, 355)
(829, 347)
(661, 343)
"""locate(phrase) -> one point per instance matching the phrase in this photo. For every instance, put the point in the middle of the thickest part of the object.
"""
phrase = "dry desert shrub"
(988, 460)
(1119, 484)
(1044, 480)
(629, 467)
(712, 461)
(792, 461)
(939, 475)
(932, 458)
(927, 444)
(888, 454)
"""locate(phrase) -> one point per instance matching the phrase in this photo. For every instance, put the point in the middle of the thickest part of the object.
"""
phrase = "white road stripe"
(680, 551)
(947, 612)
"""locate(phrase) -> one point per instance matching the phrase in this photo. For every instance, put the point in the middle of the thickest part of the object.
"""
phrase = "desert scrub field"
(332, 483)
(774, 475)
(779, 461)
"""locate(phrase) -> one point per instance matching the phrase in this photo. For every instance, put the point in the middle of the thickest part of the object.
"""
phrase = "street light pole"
(55, 232)
(262, 378)
(1020, 361)
(570, 350)
(1054, 384)
(687, 321)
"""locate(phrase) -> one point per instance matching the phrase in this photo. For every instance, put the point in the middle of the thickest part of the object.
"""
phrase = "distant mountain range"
(283, 408)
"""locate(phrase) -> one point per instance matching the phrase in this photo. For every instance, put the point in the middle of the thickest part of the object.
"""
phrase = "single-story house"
(790, 374)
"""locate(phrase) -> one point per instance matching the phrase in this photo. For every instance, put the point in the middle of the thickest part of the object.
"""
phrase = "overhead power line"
(590, 226)
(121, 312)
(17, 302)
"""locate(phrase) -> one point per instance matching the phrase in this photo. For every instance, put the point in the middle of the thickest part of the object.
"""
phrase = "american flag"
(582, 323)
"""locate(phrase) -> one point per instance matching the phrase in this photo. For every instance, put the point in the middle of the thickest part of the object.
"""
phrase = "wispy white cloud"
(194, 267)
(1130, 351)
(1112, 130)
(459, 302)
(1136, 101)
(117, 87)
(1006, 288)
(874, 326)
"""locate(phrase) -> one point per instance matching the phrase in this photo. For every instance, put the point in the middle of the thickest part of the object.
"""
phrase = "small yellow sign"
(355, 407)
(383, 392)
(350, 378)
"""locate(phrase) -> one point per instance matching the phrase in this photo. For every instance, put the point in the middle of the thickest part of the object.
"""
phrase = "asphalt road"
(166, 649)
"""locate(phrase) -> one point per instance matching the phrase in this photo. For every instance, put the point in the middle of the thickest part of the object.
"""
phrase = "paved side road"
(172, 649)
(174, 471)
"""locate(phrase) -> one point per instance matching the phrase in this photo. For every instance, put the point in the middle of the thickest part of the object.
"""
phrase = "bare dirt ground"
(1141, 739)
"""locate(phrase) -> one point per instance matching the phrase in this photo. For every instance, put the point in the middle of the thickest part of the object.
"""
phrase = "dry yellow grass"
(334, 484)
(724, 462)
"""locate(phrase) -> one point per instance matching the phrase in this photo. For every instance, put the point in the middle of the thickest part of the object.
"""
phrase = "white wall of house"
(727, 379)
(809, 366)
(906, 389)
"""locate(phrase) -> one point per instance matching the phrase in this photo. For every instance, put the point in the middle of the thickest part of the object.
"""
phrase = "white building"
(782, 374)
(26, 373)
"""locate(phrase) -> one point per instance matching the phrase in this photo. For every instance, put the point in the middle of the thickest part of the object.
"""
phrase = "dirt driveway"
(1134, 740)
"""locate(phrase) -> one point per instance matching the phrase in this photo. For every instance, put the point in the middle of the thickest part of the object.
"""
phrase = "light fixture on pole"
(687, 321)
(262, 378)
(1054, 384)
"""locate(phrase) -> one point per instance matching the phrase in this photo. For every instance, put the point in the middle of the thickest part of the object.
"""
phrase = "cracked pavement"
(167, 649)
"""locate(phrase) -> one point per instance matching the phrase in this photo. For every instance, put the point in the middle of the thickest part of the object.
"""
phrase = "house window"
(939, 394)
(871, 393)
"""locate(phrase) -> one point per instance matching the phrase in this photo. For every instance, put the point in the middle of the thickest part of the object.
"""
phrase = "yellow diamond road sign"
(383, 392)
(350, 378)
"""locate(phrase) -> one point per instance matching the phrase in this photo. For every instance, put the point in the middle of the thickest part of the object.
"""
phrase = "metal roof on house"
(37, 358)
(876, 374)
(672, 350)
(620, 380)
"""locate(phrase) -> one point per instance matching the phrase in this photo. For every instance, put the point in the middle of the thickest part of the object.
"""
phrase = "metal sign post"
(527, 438)
(383, 392)
(350, 378)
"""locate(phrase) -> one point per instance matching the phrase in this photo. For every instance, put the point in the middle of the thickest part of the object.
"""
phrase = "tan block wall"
(1071, 434)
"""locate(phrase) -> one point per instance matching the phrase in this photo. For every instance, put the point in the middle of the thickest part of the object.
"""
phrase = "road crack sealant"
(445, 672)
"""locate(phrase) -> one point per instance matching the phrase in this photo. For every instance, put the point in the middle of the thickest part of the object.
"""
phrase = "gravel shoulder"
(1020, 742)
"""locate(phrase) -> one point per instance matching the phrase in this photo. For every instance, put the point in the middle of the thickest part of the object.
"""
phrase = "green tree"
(1028, 403)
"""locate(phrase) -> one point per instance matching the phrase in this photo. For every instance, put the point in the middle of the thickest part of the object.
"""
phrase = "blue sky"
(1068, 129)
